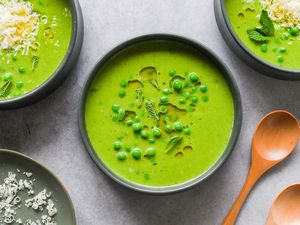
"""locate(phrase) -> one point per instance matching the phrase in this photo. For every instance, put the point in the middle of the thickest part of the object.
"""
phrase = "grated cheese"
(285, 12)
(10, 201)
(18, 25)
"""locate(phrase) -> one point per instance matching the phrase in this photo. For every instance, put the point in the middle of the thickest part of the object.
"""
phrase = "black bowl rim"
(189, 184)
(25, 157)
(288, 74)
(48, 85)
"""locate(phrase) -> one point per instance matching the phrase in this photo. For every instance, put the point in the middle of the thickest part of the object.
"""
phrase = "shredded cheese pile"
(18, 25)
(284, 12)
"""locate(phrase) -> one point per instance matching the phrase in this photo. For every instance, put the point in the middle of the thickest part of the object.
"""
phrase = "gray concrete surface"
(54, 138)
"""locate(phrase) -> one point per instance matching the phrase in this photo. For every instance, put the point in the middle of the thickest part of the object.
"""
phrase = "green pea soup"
(281, 49)
(159, 114)
(26, 69)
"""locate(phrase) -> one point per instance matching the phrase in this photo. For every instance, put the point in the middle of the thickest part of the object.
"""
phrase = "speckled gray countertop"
(48, 131)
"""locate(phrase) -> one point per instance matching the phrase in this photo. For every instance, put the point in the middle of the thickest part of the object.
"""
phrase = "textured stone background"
(54, 137)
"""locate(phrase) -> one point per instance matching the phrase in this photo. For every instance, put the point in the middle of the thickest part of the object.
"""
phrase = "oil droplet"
(179, 155)
(188, 149)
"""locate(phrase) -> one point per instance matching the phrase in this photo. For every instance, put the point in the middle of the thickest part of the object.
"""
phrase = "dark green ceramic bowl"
(204, 51)
(10, 161)
(242, 51)
(63, 69)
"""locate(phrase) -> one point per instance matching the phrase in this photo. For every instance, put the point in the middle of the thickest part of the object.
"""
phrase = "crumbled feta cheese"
(285, 12)
(10, 201)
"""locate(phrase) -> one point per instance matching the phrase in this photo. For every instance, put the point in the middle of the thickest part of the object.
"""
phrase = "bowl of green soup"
(264, 33)
(40, 41)
(159, 113)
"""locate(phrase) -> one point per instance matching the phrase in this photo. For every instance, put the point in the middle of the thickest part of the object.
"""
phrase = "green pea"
(121, 156)
(172, 73)
(177, 85)
(194, 99)
(280, 59)
(21, 69)
(117, 145)
(194, 77)
(156, 132)
(17, 93)
(129, 123)
(137, 127)
(186, 84)
(178, 126)
(286, 36)
(122, 94)
(123, 83)
(163, 99)
(136, 119)
(194, 89)
(19, 84)
(14, 58)
(163, 109)
(115, 108)
(182, 101)
(264, 47)
(294, 31)
(150, 152)
(151, 140)
(165, 91)
(203, 88)
(187, 95)
(168, 128)
(7, 76)
(136, 153)
(205, 98)
(282, 50)
(145, 134)
(127, 149)
(187, 131)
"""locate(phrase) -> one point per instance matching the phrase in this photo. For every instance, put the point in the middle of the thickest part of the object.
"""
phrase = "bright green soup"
(159, 114)
(24, 70)
(282, 49)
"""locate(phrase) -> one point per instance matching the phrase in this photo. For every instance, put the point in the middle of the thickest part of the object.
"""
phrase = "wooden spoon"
(274, 139)
(286, 208)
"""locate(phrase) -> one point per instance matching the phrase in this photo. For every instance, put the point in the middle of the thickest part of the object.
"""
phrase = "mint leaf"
(256, 36)
(174, 141)
(267, 24)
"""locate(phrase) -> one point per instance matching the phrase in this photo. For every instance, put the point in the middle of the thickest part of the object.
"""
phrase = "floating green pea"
(205, 98)
(144, 134)
(156, 132)
(168, 128)
(136, 119)
(150, 152)
(187, 95)
(178, 126)
(282, 50)
(194, 77)
(294, 31)
(163, 109)
(151, 140)
(7, 76)
(203, 88)
(136, 153)
(172, 73)
(193, 89)
(164, 99)
(187, 131)
(280, 59)
(17, 94)
(122, 94)
(137, 127)
(182, 101)
(123, 83)
(117, 145)
(19, 84)
(264, 47)
(127, 149)
(115, 108)
(21, 69)
(121, 156)
(194, 99)
(129, 123)
(165, 91)
(177, 85)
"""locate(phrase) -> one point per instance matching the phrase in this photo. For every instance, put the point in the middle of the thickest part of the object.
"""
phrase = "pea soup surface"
(25, 65)
(281, 47)
(159, 114)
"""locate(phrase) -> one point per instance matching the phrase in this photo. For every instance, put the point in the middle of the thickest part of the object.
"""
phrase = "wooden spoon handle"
(252, 178)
